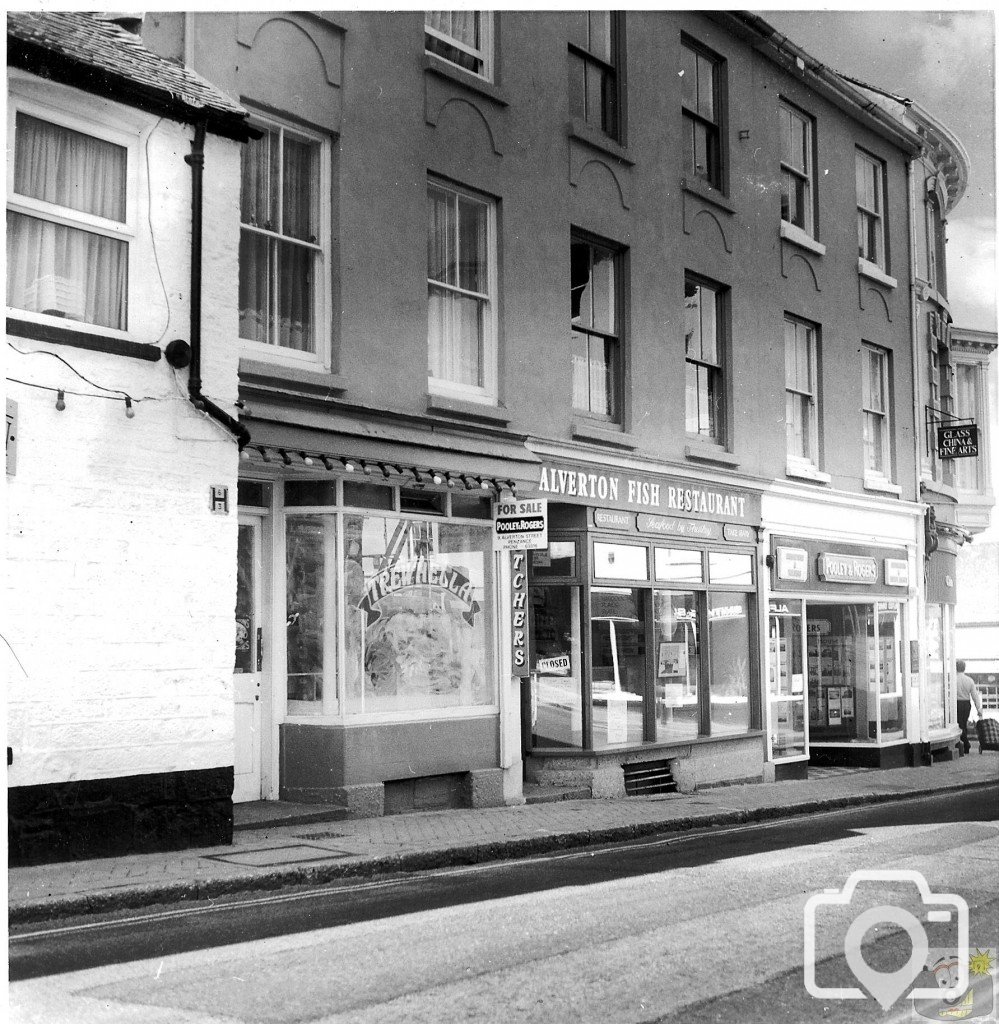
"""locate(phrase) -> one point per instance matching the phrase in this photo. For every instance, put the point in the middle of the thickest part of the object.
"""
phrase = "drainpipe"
(196, 160)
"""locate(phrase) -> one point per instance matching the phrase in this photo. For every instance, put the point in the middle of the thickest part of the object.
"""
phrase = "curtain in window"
(68, 168)
(60, 270)
(66, 272)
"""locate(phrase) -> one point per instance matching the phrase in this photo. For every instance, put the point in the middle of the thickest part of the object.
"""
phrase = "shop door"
(247, 670)
(787, 673)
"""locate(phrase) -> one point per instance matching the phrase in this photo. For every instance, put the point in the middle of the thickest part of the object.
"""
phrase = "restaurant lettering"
(641, 493)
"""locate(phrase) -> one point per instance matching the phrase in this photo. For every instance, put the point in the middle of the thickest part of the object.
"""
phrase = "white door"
(248, 662)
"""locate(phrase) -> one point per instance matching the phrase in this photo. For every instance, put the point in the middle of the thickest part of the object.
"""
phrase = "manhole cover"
(322, 835)
(277, 856)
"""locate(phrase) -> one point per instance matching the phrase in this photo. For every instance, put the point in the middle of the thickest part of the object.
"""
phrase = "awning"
(396, 452)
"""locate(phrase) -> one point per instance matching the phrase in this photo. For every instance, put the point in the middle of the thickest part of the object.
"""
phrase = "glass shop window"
(560, 559)
(620, 562)
(617, 637)
(728, 656)
(678, 658)
(676, 565)
(556, 666)
(418, 613)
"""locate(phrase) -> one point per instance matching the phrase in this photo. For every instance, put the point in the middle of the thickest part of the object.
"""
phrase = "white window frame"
(322, 298)
(484, 53)
(488, 393)
(78, 116)
(878, 216)
(873, 477)
(811, 460)
(808, 176)
(978, 467)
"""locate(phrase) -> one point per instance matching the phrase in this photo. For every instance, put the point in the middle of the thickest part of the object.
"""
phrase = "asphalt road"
(707, 923)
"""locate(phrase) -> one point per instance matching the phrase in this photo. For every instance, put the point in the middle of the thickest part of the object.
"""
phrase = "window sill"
(701, 189)
(701, 451)
(939, 488)
(792, 233)
(93, 342)
(465, 410)
(586, 430)
(440, 67)
(580, 129)
(285, 379)
(882, 486)
(803, 471)
(875, 273)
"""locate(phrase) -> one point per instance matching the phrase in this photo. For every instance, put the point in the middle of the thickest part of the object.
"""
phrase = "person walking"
(967, 692)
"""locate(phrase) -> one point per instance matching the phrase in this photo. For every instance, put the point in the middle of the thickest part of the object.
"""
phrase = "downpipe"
(196, 161)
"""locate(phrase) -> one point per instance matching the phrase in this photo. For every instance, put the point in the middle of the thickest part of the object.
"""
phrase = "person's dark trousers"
(963, 714)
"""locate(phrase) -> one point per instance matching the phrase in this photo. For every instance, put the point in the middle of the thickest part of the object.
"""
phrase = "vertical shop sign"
(518, 615)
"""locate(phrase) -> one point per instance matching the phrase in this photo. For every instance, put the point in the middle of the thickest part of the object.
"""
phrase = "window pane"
(709, 325)
(556, 653)
(259, 183)
(418, 598)
(600, 35)
(464, 27)
(255, 317)
(705, 88)
(455, 332)
(692, 400)
(688, 77)
(472, 235)
(676, 565)
(729, 657)
(874, 442)
(677, 665)
(692, 319)
(66, 272)
(730, 568)
(580, 371)
(799, 435)
(301, 189)
(307, 595)
(617, 623)
(577, 86)
(620, 562)
(296, 323)
(441, 236)
(65, 167)
(558, 560)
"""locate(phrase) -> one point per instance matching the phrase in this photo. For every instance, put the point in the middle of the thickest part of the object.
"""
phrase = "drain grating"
(322, 835)
(645, 778)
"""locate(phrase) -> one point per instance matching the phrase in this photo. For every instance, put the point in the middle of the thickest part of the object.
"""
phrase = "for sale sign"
(519, 525)
(957, 442)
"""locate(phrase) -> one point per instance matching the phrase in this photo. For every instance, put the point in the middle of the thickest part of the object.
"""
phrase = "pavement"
(287, 845)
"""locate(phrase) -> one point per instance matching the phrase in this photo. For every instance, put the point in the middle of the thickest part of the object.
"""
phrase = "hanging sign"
(520, 525)
(957, 442)
(518, 615)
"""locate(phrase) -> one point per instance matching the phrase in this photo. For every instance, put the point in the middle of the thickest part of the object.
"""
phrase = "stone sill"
(809, 473)
(701, 189)
(710, 453)
(463, 409)
(629, 749)
(585, 431)
(871, 270)
(792, 233)
(882, 486)
(440, 67)
(585, 132)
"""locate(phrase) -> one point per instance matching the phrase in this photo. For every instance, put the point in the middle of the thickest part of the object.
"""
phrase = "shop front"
(372, 656)
(942, 730)
(644, 627)
(838, 656)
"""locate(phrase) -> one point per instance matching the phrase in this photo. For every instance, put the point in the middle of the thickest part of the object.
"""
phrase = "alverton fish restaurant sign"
(673, 496)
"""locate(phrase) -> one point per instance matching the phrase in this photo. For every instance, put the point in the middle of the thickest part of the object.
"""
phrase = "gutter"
(196, 160)
(826, 81)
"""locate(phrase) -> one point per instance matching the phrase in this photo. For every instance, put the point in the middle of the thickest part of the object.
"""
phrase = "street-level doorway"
(248, 664)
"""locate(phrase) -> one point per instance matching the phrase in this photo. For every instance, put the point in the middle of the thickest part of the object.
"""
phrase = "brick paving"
(264, 857)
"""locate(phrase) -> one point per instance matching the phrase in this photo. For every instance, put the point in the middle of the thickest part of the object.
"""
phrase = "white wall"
(120, 582)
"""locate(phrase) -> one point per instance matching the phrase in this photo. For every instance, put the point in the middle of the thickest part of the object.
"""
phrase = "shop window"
(462, 38)
(678, 565)
(786, 680)
(704, 346)
(310, 554)
(596, 335)
(797, 202)
(728, 655)
(871, 210)
(421, 502)
(876, 383)
(801, 392)
(556, 668)
(594, 82)
(700, 84)
(461, 294)
(284, 244)
(364, 495)
(252, 494)
(471, 506)
(418, 614)
(298, 493)
(68, 219)
(620, 562)
(558, 560)
(732, 569)
(617, 638)
(938, 684)
(677, 654)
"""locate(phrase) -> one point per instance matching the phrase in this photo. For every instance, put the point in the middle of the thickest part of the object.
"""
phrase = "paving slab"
(297, 850)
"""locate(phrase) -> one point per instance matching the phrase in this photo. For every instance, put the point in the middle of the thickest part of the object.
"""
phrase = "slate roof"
(91, 53)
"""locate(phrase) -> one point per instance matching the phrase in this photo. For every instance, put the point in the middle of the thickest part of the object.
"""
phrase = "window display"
(728, 656)
(678, 664)
(786, 679)
(311, 584)
(557, 678)
(617, 623)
